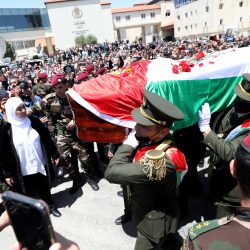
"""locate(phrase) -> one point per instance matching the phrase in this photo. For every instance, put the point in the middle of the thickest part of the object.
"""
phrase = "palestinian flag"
(188, 84)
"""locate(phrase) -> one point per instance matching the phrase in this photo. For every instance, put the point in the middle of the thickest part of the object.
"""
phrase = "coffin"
(91, 128)
(102, 106)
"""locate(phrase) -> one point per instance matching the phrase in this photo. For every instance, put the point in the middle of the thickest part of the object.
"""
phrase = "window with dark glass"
(23, 19)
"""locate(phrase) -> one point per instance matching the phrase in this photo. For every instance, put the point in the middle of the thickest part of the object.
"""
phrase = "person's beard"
(145, 139)
(240, 109)
(142, 139)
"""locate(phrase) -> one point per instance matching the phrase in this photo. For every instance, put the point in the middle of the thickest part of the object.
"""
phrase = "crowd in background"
(98, 59)
(33, 80)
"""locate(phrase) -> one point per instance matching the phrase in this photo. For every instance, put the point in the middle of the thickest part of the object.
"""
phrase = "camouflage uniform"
(70, 147)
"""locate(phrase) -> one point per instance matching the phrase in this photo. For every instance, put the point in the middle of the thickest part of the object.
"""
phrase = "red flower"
(186, 69)
(199, 55)
(175, 69)
(183, 63)
(210, 62)
(191, 65)
(184, 66)
(201, 64)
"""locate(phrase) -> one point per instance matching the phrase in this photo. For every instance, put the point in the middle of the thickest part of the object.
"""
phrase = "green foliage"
(82, 40)
(10, 51)
(91, 39)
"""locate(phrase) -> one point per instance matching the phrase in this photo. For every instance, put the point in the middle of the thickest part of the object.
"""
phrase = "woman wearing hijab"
(27, 151)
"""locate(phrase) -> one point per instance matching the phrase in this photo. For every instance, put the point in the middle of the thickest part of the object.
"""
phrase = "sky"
(40, 3)
(122, 3)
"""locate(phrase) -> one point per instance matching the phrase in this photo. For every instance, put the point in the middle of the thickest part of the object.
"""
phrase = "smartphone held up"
(30, 221)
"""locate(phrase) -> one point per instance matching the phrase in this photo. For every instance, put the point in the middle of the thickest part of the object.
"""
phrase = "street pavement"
(88, 216)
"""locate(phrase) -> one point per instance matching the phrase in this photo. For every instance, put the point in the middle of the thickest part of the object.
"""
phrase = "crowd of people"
(38, 135)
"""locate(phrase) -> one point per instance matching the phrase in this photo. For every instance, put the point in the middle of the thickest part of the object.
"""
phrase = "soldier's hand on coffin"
(131, 140)
(204, 118)
(70, 125)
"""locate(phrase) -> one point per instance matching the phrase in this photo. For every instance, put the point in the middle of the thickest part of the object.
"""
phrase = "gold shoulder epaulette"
(154, 162)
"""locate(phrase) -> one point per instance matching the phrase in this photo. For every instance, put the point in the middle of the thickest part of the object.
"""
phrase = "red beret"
(90, 68)
(43, 75)
(57, 78)
(82, 76)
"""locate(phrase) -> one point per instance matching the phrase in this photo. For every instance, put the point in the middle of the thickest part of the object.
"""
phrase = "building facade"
(199, 18)
(26, 29)
(151, 21)
(70, 19)
(138, 22)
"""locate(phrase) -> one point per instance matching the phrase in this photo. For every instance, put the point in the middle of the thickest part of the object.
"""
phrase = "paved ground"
(88, 216)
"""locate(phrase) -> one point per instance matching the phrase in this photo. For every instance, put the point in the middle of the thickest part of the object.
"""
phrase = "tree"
(10, 51)
(91, 39)
(80, 40)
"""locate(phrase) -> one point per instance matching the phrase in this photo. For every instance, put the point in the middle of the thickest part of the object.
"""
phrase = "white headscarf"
(10, 109)
(25, 139)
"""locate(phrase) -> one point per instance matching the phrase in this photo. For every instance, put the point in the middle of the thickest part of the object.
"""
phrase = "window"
(207, 8)
(118, 19)
(167, 13)
(152, 14)
(12, 20)
(241, 3)
(127, 18)
(178, 17)
(195, 11)
(186, 27)
(186, 14)
(221, 6)
(179, 28)
(240, 19)
(191, 26)
(221, 21)
(143, 15)
(205, 24)
(191, 13)
(195, 25)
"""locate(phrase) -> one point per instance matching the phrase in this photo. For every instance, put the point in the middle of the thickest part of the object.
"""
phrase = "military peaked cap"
(156, 110)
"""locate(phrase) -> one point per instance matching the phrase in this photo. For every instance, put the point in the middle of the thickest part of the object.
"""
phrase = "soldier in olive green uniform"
(233, 231)
(149, 169)
(60, 123)
(229, 130)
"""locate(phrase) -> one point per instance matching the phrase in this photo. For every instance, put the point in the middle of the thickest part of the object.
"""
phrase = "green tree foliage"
(82, 40)
(10, 51)
(91, 39)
